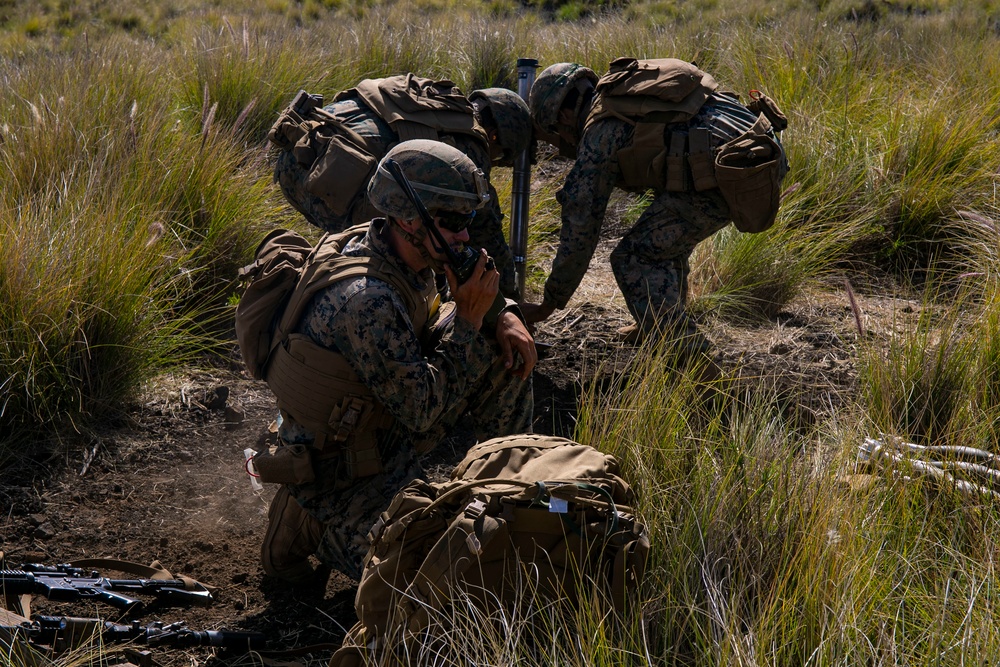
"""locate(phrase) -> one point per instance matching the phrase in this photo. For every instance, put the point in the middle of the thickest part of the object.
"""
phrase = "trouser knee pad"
(292, 536)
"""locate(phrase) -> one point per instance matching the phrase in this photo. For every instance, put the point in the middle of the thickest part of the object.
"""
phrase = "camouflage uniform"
(485, 232)
(650, 262)
(426, 390)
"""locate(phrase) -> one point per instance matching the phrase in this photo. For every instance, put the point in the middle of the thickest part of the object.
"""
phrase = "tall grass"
(135, 179)
(766, 555)
(121, 233)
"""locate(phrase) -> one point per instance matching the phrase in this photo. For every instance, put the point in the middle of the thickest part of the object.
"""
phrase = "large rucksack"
(340, 162)
(521, 513)
(658, 97)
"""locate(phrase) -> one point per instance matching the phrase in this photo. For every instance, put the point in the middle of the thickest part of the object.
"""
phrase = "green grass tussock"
(121, 233)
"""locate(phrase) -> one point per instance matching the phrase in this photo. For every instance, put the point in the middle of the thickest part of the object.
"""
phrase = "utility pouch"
(285, 464)
(352, 429)
(762, 104)
(642, 164)
(340, 173)
(748, 171)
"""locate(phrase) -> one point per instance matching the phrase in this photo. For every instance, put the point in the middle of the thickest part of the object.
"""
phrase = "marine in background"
(330, 152)
(647, 126)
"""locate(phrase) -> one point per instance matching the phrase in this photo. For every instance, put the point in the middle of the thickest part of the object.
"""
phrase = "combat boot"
(630, 335)
(292, 536)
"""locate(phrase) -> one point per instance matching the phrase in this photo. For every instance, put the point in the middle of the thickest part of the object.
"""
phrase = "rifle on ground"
(65, 583)
(521, 186)
(65, 632)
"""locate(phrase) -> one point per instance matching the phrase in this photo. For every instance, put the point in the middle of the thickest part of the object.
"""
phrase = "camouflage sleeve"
(584, 199)
(366, 320)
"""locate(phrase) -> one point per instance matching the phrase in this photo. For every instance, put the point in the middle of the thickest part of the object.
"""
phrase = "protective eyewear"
(454, 222)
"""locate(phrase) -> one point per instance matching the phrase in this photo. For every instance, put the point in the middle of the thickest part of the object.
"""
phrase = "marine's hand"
(474, 297)
(536, 312)
(513, 337)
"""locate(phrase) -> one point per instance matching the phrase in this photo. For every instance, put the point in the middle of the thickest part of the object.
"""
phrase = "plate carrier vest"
(315, 385)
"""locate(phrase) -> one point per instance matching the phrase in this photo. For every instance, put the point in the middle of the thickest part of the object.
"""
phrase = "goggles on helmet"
(454, 222)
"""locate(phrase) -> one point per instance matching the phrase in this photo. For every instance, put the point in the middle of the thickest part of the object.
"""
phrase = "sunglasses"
(454, 222)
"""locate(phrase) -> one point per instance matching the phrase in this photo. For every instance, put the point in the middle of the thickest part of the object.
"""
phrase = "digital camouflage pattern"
(485, 232)
(428, 391)
(442, 176)
(650, 262)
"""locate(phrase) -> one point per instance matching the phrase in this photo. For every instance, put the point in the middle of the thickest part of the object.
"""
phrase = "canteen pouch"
(285, 464)
(748, 173)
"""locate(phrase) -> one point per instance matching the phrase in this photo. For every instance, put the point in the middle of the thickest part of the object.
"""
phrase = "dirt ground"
(171, 485)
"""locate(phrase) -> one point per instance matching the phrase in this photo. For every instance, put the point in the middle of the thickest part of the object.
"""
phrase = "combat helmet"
(508, 113)
(550, 90)
(444, 178)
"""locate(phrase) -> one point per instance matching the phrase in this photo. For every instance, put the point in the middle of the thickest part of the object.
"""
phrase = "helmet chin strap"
(416, 239)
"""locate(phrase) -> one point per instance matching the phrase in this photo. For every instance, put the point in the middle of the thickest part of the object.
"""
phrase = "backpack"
(267, 314)
(419, 108)
(660, 98)
(340, 162)
(269, 279)
(525, 512)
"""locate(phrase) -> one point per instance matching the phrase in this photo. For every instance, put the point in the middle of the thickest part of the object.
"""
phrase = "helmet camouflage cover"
(442, 176)
(511, 118)
(551, 88)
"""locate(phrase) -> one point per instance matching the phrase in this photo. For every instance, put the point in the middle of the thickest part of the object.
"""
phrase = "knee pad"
(292, 536)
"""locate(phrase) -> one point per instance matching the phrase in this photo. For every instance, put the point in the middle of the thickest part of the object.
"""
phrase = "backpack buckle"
(475, 509)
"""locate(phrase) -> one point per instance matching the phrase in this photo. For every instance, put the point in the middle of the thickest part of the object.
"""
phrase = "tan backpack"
(419, 108)
(655, 94)
(524, 512)
(340, 162)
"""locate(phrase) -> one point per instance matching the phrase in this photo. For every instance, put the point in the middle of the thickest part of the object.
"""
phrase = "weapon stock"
(521, 186)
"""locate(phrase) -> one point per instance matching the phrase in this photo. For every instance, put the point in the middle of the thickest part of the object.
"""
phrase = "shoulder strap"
(326, 266)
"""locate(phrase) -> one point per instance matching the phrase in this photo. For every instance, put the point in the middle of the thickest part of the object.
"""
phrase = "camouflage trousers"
(500, 404)
(650, 262)
(485, 231)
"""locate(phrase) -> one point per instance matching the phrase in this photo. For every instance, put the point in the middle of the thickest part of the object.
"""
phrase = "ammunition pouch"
(664, 159)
